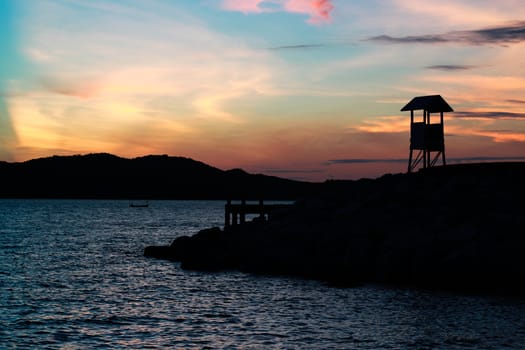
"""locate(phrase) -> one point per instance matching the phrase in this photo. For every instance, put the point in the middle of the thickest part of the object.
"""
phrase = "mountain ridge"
(104, 175)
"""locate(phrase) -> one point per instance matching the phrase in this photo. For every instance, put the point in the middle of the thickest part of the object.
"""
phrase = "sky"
(302, 89)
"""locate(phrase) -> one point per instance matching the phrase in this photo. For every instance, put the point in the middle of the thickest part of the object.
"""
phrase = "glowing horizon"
(281, 87)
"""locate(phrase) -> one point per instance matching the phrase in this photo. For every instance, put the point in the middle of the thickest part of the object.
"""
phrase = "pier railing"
(235, 213)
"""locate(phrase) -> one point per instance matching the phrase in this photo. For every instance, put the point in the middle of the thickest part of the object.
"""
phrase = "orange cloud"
(502, 136)
(385, 124)
(479, 82)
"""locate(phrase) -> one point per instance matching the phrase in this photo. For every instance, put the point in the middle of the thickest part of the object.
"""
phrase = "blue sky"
(9, 68)
(306, 89)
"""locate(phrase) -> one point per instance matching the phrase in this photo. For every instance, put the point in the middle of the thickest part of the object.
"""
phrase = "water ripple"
(72, 276)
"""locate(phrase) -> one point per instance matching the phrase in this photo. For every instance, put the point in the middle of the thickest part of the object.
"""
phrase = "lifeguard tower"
(426, 137)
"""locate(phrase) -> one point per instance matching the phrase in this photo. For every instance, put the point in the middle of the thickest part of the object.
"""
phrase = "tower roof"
(431, 103)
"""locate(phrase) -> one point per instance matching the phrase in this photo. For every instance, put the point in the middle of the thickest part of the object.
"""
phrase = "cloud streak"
(74, 87)
(516, 101)
(450, 67)
(504, 34)
(317, 10)
(293, 171)
(405, 160)
(489, 115)
(366, 161)
(297, 47)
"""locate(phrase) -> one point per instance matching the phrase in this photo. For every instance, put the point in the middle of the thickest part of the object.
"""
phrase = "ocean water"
(72, 276)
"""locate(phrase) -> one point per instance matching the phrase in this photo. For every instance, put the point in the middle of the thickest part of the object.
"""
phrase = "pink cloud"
(245, 6)
(318, 10)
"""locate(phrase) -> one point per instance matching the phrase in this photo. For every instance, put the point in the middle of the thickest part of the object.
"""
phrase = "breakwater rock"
(458, 227)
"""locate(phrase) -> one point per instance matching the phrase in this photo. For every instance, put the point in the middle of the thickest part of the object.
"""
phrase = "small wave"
(459, 340)
(218, 315)
(109, 320)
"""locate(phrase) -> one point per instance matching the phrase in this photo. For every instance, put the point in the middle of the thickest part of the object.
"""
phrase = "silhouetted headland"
(459, 227)
(151, 177)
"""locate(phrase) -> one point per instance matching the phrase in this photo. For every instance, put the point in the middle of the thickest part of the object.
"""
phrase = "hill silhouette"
(105, 175)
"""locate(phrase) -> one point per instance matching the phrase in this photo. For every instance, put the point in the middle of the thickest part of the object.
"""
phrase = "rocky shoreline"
(459, 227)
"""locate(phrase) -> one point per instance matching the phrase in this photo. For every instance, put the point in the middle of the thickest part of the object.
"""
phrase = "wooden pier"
(235, 213)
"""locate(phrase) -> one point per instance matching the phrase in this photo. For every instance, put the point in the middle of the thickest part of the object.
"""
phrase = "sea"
(73, 276)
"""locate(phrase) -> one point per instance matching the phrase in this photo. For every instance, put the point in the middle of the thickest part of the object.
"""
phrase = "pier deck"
(235, 213)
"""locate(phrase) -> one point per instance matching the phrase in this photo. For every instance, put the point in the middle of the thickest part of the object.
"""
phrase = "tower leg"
(410, 161)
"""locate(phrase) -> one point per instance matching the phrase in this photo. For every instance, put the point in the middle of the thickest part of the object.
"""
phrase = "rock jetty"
(460, 227)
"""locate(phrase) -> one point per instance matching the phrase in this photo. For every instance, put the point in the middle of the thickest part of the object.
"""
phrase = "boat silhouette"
(139, 205)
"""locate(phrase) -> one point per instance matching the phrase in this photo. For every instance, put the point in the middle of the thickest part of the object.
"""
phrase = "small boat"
(139, 205)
